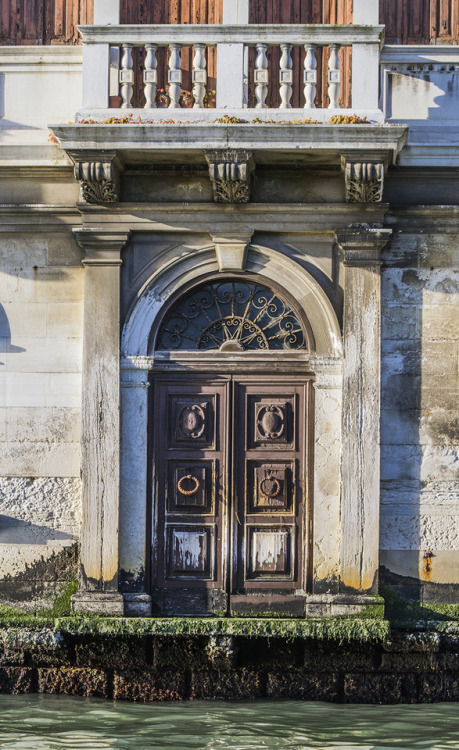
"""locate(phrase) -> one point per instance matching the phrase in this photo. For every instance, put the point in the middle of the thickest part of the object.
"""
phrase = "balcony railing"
(242, 63)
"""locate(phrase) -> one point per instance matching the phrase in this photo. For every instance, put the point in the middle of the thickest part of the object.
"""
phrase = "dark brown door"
(230, 488)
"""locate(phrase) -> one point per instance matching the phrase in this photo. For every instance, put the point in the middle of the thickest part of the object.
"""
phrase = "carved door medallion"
(229, 515)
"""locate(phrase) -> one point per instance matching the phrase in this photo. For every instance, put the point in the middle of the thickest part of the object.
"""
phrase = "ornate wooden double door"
(230, 488)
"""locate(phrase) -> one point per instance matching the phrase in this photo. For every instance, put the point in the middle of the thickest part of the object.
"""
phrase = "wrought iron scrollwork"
(232, 316)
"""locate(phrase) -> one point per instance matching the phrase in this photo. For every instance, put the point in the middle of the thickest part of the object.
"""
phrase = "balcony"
(237, 134)
(307, 55)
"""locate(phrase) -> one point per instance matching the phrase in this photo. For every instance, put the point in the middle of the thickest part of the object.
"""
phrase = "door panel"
(189, 523)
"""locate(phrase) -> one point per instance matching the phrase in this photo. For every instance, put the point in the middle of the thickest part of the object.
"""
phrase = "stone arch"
(268, 264)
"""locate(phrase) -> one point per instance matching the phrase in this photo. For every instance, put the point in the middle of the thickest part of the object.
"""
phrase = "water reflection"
(41, 722)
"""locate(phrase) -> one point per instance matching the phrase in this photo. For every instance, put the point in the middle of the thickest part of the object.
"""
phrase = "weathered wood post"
(360, 457)
(100, 438)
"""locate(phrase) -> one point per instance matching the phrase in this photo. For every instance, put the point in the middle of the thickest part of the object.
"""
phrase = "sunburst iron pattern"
(231, 316)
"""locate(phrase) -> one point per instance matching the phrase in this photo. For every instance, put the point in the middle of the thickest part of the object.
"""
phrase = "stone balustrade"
(109, 64)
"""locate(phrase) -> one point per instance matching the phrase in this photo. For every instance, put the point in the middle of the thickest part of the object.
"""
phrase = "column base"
(96, 602)
(137, 605)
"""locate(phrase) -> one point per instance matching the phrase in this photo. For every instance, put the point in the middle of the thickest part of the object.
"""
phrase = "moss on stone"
(340, 629)
(12, 617)
(409, 615)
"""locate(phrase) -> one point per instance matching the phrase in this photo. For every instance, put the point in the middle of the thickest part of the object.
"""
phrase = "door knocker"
(191, 478)
(275, 489)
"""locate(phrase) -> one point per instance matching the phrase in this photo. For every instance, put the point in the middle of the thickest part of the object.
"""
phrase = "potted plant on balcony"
(210, 99)
(162, 98)
(186, 99)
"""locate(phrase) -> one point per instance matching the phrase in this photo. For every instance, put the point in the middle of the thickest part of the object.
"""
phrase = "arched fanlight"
(231, 315)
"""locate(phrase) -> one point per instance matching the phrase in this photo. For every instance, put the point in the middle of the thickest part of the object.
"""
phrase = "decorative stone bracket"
(230, 175)
(364, 177)
(99, 176)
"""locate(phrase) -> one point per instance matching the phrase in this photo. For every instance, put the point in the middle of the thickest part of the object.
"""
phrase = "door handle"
(189, 478)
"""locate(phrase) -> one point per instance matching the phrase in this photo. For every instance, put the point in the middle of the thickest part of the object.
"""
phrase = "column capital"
(328, 372)
(102, 247)
(135, 371)
(361, 245)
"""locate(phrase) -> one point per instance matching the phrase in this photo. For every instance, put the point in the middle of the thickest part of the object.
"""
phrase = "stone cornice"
(272, 140)
(225, 220)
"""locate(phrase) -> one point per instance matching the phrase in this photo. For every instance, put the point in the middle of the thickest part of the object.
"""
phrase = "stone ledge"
(271, 141)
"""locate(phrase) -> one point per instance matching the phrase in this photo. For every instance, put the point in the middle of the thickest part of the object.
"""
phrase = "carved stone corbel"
(364, 178)
(99, 176)
(229, 173)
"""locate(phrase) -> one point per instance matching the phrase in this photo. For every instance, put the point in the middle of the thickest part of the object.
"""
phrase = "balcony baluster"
(334, 77)
(150, 76)
(310, 76)
(175, 76)
(286, 76)
(261, 76)
(126, 76)
(199, 75)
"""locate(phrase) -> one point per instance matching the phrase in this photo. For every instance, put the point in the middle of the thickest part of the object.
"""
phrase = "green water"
(41, 722)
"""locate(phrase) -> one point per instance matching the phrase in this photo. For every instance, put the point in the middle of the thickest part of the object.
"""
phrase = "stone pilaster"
(326, 507)
(133, 484)
(360, 456)
(100, 439)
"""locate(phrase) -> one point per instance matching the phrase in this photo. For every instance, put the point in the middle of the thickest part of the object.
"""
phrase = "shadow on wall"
(6, 347)
(16, 531)
(418, 434)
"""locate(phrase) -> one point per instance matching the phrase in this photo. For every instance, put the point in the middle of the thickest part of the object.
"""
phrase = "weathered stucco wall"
(420, 386)
(41, 290)
(41, 311)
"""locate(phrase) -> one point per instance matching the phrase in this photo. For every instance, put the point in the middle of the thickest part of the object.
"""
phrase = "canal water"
(41, 722)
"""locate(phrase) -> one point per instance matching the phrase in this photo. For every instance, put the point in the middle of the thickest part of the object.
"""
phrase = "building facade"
(229, 348)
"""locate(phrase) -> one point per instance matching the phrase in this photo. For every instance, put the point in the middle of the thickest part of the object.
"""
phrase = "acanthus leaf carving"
(99, 179)
(364, 181)
(230, 175)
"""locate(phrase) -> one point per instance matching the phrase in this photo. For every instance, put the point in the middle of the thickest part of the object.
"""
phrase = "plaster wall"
(419, 420)
(41, 293)
(38, 85)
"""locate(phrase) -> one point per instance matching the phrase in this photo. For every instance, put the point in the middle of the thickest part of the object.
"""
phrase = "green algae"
(62, 607)
(342, 630)
(416, 616)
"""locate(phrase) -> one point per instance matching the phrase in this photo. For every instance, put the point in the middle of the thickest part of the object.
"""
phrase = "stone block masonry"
(403, 667)
(41, 292)
(419, 418)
